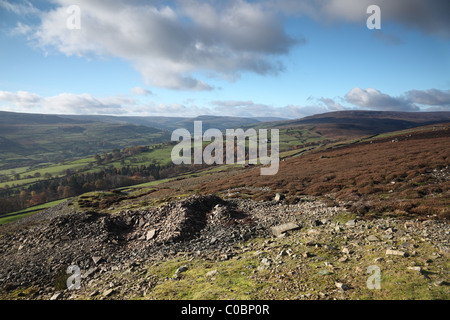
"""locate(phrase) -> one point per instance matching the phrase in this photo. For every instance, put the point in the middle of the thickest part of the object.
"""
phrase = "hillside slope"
(346, 124)
(381, 202)
(173, 123)
(404, 174)
(27, 139)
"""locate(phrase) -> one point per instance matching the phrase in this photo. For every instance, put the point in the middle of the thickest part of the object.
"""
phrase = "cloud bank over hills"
(357, 98)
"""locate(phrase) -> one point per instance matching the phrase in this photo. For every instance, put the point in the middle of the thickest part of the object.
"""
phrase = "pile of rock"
(101, 244)
(37, 255)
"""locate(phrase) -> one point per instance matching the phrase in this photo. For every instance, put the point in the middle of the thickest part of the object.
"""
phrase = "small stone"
(56, 296)
(258, 252)
(280, 229)
(342, 287)
(94, 293)
(433, 257)
(90, 272)
(407, 245)
(441, 283)
(109, 292)
(181, 269)
(346, 250)
(444, 249)
(278, 197)
(97, 259)
(350, 223)
(343, 259)
(226, 256)
(212, 273)
(418, 269)
(325, 272)
(372, 238)
(317, 223)
(265, 262)
(150, 234)
(395, 253)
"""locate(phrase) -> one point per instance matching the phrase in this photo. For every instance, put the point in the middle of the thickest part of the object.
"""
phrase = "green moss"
(61, 280)
(232, 281)
(19, 293)
(344, 217)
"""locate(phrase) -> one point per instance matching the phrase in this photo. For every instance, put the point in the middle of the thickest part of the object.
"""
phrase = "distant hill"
(172, 123)
(163, 123)
(345, 124)
(11, 118)
(27, 139)
(269, 119)
(31, 138)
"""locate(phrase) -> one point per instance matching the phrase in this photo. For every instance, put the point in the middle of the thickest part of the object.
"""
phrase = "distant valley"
(51, 157)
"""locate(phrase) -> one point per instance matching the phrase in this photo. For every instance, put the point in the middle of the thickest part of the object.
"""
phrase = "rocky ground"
(206, 247)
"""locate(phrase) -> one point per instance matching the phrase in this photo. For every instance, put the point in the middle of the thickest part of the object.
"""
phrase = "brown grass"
(381, 177)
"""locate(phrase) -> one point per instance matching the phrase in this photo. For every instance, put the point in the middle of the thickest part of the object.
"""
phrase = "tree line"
(74, 184)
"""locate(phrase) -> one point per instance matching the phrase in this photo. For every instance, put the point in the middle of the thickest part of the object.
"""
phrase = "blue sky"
(280, 58)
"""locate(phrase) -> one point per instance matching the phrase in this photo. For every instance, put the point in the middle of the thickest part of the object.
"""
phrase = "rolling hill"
(378, 200)
(30, 139)
(347, 124)
(172, 123)
(43, 153)
(403, 173)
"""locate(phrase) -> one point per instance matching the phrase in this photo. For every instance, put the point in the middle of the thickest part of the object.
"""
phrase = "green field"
(289, 139)
(36, 143)
(15, 177)
(14, 216)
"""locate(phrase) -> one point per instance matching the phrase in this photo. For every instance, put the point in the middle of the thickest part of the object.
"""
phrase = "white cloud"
(171, 110)
(371, 99)
(431, 97)
(65, 103)
(172, 45)
(232, 103)
(68, 103)
(332, 105)
(141, 91)
(21, 99)
(428, 16)
(357, 98)
(180, 44)
(251, 109)
(375, 100)
(19, 8)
